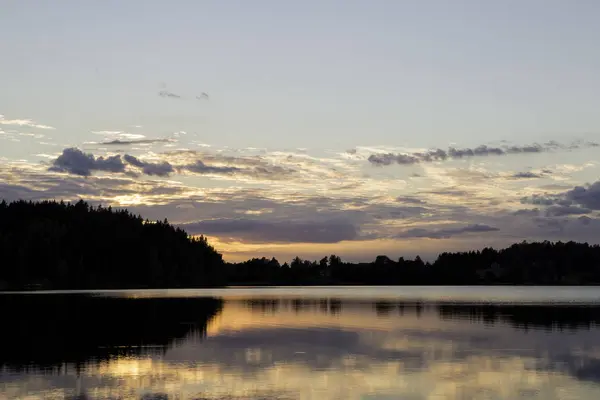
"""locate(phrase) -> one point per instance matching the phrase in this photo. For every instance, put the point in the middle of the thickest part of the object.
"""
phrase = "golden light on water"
(252, 351)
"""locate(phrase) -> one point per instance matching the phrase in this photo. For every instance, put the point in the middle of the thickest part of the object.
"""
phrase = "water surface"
(302, 343)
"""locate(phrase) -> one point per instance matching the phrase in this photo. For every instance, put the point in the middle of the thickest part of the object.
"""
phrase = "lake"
(362, 343)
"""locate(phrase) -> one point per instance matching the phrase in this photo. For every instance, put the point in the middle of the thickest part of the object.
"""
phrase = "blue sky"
(292, 86)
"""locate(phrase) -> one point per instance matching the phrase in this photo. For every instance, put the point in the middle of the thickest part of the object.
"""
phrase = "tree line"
(525, 263)
(57, 245)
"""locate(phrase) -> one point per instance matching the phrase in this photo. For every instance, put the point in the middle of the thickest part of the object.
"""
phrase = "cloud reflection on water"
(344, 349)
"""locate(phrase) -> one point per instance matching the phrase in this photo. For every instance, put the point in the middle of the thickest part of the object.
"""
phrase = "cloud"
(200, 168)
(158, 169)
(561, 211)
(247, 230)
(527, 212)
(167, 94)
(139, 141)
(390, 158)
(32, 183)
(585, 197)
(540, 200)
(384, 159)
(446, 232)
(75, 161)
(551, 225)
(449, 192)
(394, 212)
(253, 167)
(120, 135)
(23, 122)
(410, 200)
(526, 175)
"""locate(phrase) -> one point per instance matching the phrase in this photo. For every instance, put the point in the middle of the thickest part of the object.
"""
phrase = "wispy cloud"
(452, 153)
(117, 142)
(200, 168)
(563, 210)
(158, 169)
(203, 96)
(445, 233)
(526, 175)
(119, 135)
(23, 122)
(167, 94)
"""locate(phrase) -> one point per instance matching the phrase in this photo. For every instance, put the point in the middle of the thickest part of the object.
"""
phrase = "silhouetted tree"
(76, 246)
(542, 263)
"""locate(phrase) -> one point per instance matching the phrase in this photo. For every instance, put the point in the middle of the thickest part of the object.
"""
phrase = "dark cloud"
(584, 198)
(158, 169)
(139, 141)
(458, 153)
(275, 231)
(410, 200)
(383, 159)
(526, 175)
(167, 94)
(75, 161)
(200, 168)
(561, 211)
(446, 232)
(535, 148)
(255, 166)
(527, 212)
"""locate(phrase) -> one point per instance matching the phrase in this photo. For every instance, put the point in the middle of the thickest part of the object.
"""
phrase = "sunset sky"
(280, 128)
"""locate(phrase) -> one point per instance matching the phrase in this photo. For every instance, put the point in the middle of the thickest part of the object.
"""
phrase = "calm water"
(302, 343)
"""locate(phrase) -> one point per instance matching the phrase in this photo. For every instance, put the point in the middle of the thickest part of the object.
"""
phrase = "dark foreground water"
(313, 343)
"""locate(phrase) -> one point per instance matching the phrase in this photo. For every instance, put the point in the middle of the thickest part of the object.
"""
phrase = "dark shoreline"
(62, 246)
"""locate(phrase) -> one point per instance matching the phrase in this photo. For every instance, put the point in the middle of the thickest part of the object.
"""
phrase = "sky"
(309, 128)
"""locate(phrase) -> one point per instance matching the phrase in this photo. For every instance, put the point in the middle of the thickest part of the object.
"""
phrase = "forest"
(52, 245)
(536, 263)
(57, 245)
